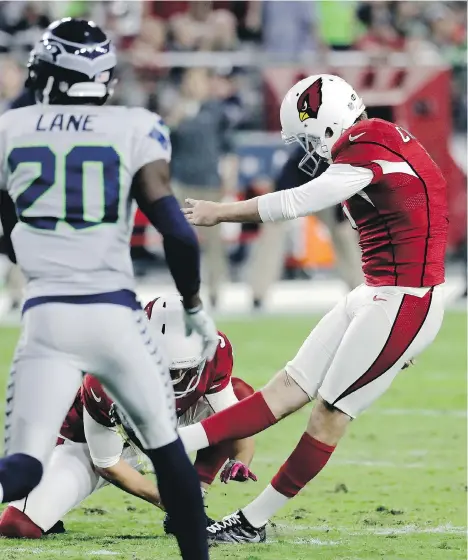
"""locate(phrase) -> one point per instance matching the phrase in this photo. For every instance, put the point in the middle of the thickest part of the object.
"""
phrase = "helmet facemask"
(186, 380)
(316, 148)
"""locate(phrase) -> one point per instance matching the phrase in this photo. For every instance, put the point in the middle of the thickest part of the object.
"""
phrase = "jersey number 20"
(74, 208)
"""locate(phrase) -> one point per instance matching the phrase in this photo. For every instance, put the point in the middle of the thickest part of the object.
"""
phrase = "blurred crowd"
(142, 30)
(204, 106)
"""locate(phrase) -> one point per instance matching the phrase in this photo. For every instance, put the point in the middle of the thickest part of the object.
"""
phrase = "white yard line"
(434, 412)
(310, 542)
(447, 529)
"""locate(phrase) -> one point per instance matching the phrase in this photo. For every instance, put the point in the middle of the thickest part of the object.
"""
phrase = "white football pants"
(59, 341)
(355, 352)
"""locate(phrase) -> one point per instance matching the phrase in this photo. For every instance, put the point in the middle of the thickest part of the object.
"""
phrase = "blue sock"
(19, 475)
(179, 487)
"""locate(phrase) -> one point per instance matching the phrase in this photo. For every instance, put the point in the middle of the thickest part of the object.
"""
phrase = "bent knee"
(283, 395)
(327, 423)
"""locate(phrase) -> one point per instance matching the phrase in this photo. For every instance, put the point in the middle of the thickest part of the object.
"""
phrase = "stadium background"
(397, 487)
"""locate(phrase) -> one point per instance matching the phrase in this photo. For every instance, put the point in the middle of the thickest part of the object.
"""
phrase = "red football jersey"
(215, 377)
(402, 216)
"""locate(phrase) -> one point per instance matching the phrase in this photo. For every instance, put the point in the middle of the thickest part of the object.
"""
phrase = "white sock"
(1, 493)
(193, 437)
(264, 506)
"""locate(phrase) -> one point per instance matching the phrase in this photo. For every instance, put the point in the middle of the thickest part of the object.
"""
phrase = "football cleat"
(57, 529)
(169, 526)
(235, 529)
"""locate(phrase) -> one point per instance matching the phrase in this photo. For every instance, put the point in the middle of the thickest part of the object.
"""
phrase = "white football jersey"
(69, 170)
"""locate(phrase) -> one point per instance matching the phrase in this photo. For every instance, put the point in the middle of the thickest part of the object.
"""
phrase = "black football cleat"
(169, 526)
(235, 529)
(57, 529)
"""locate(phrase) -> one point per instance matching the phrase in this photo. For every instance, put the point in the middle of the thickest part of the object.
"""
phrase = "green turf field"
(395, 488)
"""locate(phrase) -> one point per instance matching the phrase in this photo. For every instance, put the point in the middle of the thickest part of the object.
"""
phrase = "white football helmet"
(315, 112)
(166, 317)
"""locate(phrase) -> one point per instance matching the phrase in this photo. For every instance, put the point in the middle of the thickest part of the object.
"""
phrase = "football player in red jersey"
(395, 196)
(97, 446)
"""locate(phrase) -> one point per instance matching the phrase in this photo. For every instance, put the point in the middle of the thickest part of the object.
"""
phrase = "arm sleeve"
(105, 444)
(337, 184)
(223, 399)
(180, 243)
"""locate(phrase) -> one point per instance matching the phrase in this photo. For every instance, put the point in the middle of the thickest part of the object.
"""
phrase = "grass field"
(394, 489)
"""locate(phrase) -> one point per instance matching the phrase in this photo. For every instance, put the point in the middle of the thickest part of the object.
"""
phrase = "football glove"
(198, 320)
(235, 470)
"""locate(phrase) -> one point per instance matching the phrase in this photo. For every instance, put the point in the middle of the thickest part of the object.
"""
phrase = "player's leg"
(68, 479)
(42, 385)
(209, 461)
(134, 371)
(383, 335)
(288, 391)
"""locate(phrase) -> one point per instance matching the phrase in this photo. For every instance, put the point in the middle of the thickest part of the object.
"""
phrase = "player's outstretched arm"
(152, 191)
(206, 213)
(338, 183)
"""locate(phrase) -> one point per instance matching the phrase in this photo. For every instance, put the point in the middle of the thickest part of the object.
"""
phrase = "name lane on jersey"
(65, 122)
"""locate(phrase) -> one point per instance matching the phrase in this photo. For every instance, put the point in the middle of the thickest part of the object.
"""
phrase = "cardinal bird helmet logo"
(309, 101)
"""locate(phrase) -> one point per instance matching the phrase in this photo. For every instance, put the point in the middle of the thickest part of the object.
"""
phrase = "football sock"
(209, 461)
(193, 437)
(246, 418)
(264, 506)
(19, 475)
(305, 462)
(180, 493)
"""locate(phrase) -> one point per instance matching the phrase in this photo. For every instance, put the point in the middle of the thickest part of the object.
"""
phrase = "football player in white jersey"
(71, 169)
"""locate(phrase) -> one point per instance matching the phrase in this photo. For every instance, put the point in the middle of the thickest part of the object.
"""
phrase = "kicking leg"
(326, 427)
(287, 392)
(381, 338)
